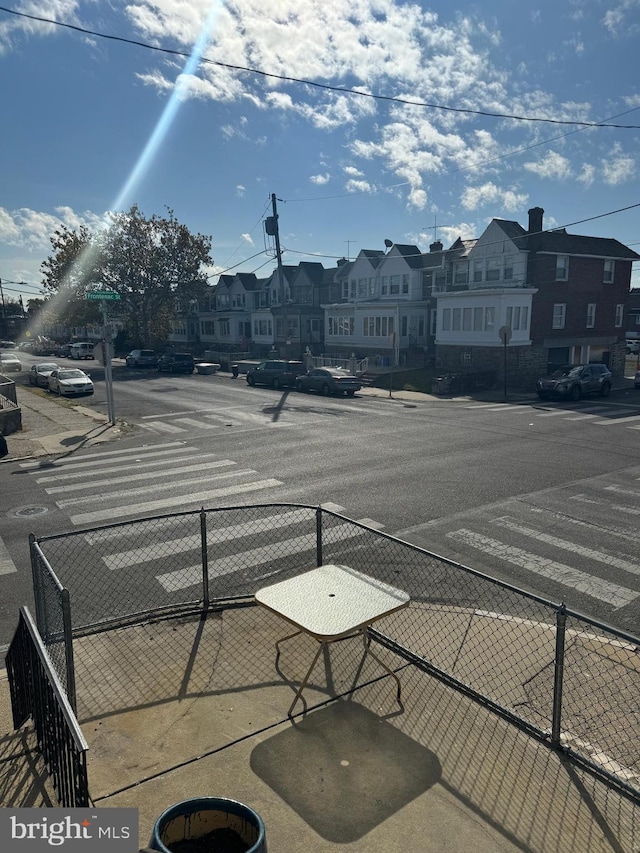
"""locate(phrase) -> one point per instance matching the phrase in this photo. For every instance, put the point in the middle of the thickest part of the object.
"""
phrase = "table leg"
(367, 651)
(306, 678)
(282, 640)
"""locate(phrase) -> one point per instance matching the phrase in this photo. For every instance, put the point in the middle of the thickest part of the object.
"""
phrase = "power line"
(325, 86)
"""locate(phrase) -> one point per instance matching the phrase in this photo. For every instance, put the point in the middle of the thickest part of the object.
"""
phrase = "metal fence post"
(37, 586)
(558, 675)
(318, 535)
(205, 558)
(68, 650)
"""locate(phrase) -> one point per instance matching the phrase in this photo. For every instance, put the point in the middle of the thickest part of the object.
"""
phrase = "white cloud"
(587, 175)
(32, 229)
(353, 186)
(248, 239)
(55, 10)
(490, 194)
(353, 172)
(618, 167)
(619, 21)
(320, 179)
(240, 190)
(552, 165)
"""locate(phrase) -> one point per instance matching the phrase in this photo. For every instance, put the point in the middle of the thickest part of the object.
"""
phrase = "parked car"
(142, 358)
(9, 363)
(575, 381)
(176, 362)
(70, 382)
(633, 347)
(82, 349)
(7, 344)
(329, 380)
(64, 351)
(39, 373)
(276, 373)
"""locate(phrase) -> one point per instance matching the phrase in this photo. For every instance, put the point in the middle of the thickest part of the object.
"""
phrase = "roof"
(559, 242)
(412, 255)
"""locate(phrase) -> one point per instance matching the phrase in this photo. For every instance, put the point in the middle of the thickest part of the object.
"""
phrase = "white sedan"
(70, 382)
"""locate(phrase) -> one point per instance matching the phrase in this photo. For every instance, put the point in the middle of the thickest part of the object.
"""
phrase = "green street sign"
(102, 294)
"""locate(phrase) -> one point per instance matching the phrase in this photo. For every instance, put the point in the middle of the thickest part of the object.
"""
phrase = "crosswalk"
(112, 485)
(303, 410)
(582, 537)
(118, 486)
(597, 414)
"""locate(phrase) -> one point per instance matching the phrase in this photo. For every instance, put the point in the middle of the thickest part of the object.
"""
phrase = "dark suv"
(176, 362)
(275, 373)
(575, 381)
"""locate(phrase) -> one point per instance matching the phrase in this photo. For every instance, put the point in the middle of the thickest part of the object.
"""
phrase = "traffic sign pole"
(106, 360)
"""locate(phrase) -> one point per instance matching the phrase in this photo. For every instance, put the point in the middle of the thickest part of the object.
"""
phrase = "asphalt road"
(544, 496)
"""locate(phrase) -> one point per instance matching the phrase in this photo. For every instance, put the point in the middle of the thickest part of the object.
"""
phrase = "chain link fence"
(557, 674)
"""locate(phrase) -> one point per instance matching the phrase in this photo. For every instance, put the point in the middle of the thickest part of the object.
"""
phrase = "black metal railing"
(37, 694)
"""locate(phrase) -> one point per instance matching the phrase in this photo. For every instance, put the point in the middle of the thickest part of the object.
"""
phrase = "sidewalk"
(52, 427)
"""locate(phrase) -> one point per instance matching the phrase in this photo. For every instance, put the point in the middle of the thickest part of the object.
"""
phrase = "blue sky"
(79, 112)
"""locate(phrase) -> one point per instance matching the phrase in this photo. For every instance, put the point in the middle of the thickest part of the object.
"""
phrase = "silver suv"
(575, 381)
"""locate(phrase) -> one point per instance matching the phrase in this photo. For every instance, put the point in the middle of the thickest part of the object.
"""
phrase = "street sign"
(505, 334)
(102, 294)
(101, 349)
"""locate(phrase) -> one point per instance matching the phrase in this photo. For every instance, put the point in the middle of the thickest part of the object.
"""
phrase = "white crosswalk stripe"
(601, 415)
(7, 566)
(611, 593)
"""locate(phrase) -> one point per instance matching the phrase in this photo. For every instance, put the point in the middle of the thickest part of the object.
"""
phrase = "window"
(609, 269)
(384, 285)
(478, 319)
(562, 268)
(345, 289)
(489, 319)
(493, 269)
(222, 300)
(262, 327)
(421, 326)
(225, 328)
(477, 273)
(379, 327)
(441, 281)
(206, 327)
(518, 318)
(461, 274)
(237, 300)
(559, 315)
(403, 327)
(353, 285)
(457, 317)
(467, 314)
(313, 326)
(394, 284)
(508, 271)
(341, 326)
(619, 314)
(405, 284)
(446, 320)
(591, 315)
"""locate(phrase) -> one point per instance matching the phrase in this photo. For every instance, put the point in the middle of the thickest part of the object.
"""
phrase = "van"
(81, 350)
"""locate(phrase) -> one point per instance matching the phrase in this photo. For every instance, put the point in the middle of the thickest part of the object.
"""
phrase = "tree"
(155, 265)
(72, 268)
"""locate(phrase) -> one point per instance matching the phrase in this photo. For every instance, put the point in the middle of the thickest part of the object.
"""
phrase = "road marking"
(181, 578)
(7, 566)
(552, 414)
(582, 417)
(147, 475)
(105, 469)
(73, 460)
(620, 420)
(143, 490)
(195, 423)
(160, 426)
(136, 556)
(618, 596)
(175, 500)
(598, 556)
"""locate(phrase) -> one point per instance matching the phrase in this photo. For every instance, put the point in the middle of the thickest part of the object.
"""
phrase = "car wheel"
(606, 388)
(326, 390)
(298, 387)
(542, 395)
(350, 393)
(575, 393)
(276, 382)
(251, 381)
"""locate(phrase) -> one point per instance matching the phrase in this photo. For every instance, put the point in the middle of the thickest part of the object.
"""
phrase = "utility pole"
(4, 313)
(271, 227)
(107, 338)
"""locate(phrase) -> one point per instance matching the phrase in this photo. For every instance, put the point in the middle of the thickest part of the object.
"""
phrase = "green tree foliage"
(155, 265)
(71, 269)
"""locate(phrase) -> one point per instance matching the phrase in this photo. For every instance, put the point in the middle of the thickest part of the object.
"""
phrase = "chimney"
(535, 220)
(436, 247)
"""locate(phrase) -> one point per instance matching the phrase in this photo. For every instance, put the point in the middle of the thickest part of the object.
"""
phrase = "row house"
(379, 306)
(560, 296)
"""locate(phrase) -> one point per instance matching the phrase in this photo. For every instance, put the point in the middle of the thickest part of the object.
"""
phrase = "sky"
(399, 124)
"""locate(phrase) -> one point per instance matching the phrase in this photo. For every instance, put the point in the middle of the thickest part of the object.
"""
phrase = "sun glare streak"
(87, 256)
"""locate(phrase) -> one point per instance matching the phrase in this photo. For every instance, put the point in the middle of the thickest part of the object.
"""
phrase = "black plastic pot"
(193, 819)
